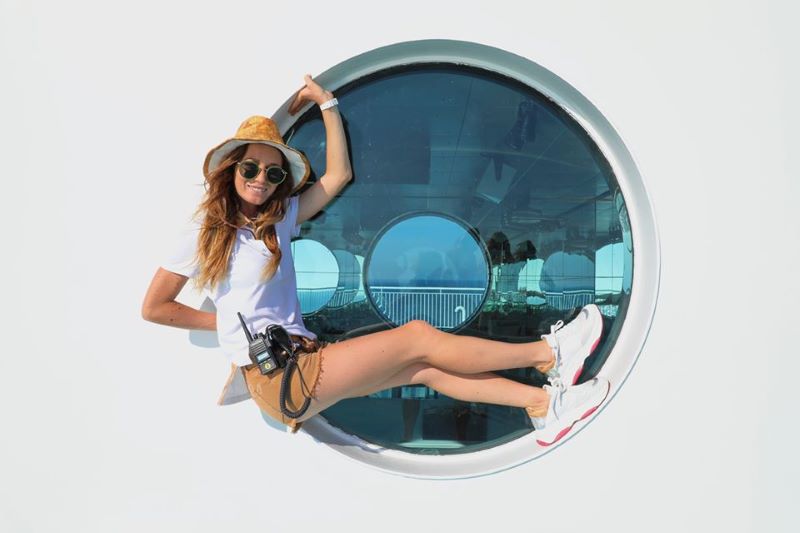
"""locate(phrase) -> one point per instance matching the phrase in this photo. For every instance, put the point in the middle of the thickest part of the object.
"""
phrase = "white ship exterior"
(685, 230)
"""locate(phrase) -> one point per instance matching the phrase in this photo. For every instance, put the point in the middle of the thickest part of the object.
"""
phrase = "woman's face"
(256, 191)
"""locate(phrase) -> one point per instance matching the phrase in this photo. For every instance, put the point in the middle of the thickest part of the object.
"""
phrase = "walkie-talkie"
(261, 353)
(271, 350)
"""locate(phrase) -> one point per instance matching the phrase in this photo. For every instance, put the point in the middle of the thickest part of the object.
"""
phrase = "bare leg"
(484, 387)
(365, 364)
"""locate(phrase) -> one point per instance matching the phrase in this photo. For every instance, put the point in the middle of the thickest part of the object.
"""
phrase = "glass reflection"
(627, 241)
(530, 277)
(427, 267)
(349, 276)
(568, 280)
(609, 261)
(360, 294)
(317, 274)
(524, 182)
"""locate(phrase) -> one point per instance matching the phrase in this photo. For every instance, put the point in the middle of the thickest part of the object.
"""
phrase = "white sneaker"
(569, 406)
(573, 343)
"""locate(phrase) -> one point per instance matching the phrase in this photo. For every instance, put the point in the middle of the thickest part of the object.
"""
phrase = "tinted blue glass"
(496, 167)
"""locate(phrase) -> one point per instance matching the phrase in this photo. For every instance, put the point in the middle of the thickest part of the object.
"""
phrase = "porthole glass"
(427, 267)
(520, 202)
(458, 143)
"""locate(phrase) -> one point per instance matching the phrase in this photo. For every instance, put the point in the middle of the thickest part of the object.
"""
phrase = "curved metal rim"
(644, 229)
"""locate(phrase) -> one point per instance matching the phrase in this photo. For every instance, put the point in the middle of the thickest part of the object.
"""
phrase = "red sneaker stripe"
(577, 375)
(558, 437)
(567, 429)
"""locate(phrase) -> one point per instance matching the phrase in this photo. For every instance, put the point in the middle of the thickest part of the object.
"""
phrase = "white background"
(109, 423)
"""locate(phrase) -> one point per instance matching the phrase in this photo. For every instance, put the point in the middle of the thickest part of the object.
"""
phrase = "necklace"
(250, 221)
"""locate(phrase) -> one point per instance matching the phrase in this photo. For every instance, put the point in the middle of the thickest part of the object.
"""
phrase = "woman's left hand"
(312, 92)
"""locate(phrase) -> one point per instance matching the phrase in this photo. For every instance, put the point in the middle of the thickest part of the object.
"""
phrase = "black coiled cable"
(291, 365)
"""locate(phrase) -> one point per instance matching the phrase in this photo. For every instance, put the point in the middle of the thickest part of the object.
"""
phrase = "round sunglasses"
(250, 170)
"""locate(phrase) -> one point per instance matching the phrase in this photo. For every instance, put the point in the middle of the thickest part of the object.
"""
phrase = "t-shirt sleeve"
(183, 260)
(291, 216)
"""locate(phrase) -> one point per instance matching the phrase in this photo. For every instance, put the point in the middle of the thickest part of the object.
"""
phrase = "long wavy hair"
(220, 217)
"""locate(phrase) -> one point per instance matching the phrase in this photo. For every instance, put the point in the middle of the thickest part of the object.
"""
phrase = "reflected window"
(317, 274)
(361, 295)
(427, 267)
(480, 206)
(348, 282)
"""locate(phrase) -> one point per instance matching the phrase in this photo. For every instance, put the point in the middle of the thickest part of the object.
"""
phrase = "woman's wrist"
(327, 96)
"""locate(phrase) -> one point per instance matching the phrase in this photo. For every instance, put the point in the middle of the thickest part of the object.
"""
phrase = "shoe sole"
(582, 417)
(591, 351)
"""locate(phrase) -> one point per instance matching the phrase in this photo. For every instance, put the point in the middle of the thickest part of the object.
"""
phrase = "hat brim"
(299, 165)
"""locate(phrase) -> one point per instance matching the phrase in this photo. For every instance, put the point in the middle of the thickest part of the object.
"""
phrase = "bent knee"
(422, 338)
(419, 328)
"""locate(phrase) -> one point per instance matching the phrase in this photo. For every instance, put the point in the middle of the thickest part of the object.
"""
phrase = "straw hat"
(262, 130)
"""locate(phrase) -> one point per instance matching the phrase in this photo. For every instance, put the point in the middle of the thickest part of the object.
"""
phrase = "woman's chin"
(256, 200)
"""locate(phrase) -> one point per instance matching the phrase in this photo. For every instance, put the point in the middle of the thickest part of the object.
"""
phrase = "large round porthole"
(491, 199)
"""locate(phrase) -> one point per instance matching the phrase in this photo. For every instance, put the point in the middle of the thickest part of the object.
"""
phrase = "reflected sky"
(428, 251)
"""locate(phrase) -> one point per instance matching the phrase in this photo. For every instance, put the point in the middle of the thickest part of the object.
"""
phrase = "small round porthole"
(489, 198)
(427, 266)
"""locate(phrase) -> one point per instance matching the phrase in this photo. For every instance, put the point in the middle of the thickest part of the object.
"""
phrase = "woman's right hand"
(311, 92)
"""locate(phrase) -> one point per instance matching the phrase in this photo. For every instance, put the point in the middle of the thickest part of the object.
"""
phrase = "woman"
(240, 250)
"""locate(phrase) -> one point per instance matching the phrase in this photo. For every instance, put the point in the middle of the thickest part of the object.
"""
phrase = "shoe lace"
(553, 375)
(557, 390)
(558, 387)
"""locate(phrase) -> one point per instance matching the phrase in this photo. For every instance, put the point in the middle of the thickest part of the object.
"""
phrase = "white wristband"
(330, 103)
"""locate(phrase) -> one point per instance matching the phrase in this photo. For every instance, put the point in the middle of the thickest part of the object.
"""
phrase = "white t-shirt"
(261, 303)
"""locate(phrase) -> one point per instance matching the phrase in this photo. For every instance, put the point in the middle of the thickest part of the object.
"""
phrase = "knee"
(418, 337)
(419, 329)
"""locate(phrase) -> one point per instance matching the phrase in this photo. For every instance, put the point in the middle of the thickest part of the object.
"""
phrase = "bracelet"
(330, 103)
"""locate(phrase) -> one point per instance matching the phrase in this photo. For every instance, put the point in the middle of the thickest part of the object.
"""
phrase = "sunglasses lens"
(248, 169)
(276, 175)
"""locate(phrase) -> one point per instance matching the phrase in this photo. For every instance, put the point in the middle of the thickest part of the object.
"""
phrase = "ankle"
(538, 408)
(544, 368)
(550, 359)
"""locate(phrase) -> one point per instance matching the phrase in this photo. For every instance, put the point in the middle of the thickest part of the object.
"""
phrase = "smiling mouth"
(260, 190)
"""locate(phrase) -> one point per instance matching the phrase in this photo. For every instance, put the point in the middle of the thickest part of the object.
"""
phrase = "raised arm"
(337, 163)
(159, 304)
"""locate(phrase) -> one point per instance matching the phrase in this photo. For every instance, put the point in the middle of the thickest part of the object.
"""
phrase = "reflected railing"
(314, 298)
(342, 297)
(565, 300)
(442, 307)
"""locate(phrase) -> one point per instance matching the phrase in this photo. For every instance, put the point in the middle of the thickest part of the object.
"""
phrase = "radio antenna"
(245, 328)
